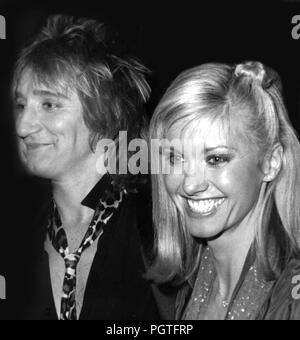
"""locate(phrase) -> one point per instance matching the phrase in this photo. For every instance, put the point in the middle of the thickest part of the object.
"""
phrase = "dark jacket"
(116, 289)
(282, 303)
(284, 300)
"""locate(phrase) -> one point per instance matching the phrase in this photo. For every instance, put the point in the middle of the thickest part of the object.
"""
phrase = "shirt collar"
(92, 198)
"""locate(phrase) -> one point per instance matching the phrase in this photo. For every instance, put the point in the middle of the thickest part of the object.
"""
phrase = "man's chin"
(39, 171)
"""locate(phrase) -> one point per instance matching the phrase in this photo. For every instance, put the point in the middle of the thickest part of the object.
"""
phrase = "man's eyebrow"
(209, 149)
(18, 94)
(49, 94)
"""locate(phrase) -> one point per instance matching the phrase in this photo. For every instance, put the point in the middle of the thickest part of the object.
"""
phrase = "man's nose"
(27, 122)
(195, 182)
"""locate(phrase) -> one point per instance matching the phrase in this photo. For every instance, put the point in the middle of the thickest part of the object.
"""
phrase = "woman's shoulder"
(284, 302)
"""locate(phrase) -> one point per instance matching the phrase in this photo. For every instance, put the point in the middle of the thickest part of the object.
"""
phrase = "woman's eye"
(217, 160)
(175, 158)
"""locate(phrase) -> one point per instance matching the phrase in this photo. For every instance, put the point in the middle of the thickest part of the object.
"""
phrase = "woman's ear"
(272, 163)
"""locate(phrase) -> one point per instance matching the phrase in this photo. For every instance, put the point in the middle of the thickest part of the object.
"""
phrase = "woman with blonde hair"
(227, 194)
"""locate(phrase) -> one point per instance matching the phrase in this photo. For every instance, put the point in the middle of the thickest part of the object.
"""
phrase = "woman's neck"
(229, 254)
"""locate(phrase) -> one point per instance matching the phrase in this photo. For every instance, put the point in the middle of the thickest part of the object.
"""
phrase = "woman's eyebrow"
(209, 149)
(169, 148)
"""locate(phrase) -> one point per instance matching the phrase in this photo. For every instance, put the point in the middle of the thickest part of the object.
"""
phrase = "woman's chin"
(205, 232)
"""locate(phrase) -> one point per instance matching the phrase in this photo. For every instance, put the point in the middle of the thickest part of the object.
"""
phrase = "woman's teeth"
(205, 206)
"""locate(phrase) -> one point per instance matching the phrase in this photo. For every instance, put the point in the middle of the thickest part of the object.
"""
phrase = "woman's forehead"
(209, 132)
(197, 128)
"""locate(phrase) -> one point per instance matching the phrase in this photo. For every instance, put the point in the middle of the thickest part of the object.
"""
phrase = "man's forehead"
(30, 82)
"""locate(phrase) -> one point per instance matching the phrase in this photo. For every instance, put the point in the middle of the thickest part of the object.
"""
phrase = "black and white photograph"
(150, 165)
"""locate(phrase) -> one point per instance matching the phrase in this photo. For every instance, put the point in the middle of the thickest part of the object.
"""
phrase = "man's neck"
(68, 194)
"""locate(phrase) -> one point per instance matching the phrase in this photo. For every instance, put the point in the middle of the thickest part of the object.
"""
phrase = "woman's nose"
(195, 183)
(27, 122)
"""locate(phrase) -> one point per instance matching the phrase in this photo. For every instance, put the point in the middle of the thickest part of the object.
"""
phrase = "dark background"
(168, 37)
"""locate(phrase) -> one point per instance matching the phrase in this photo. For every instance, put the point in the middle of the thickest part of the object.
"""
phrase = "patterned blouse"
(254, 298)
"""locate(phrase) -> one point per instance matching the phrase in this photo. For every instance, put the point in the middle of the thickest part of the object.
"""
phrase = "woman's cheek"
(224, 179)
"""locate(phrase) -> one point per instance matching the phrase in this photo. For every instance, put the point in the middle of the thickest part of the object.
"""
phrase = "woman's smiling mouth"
(205, 206)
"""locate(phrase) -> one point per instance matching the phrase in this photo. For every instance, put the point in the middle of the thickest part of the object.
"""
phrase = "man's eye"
(50, 106)
(19, 107)
(217, 160)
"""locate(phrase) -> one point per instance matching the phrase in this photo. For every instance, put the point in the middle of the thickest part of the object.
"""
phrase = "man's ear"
(272, 163)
